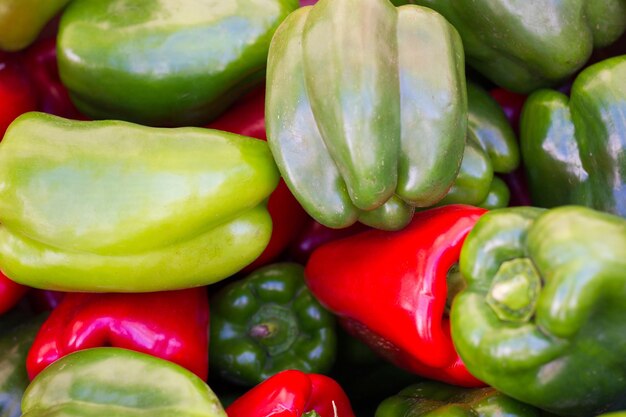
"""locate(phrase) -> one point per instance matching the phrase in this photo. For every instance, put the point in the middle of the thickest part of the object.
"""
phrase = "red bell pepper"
(247, 117)
(10, 293)
(17, 95)
(41, 64)
(390, 289)
(293, 394)
(171, 325)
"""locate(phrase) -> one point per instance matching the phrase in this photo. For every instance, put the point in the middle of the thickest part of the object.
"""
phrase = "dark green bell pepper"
(542, 316)
(17, 332)
(524, 45)
(113, 382)
(574, 149)
(435, 399)
(113, 206)
(269, 322)
(165, 62)
(366, 120)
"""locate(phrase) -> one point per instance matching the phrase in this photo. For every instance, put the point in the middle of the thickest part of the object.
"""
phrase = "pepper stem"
(275, 328)
(514, 291)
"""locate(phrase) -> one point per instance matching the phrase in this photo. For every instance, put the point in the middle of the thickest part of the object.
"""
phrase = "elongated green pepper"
(542, 317)
(434, 399)
(366, 120)
(575, 148)
(113, 206)
(165, 62)
(524, 45)
(270, 322)
(113, 382)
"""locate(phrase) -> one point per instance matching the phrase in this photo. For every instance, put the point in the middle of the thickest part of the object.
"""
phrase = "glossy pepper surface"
(434, 399)
(544, 307)
(22, 20)
(360, 126)
(110, 206)
(269, 322)
(105, 382)
(247, 118)
(165, 62)
(522, 46)
(389, 289)
(575, 148)
(17, 331)
(293, 393)
(171, 325)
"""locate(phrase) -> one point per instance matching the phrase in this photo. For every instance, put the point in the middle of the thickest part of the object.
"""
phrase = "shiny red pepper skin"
(389, 289)
(41, 63)
(171, 325)
(291, 394)
(247, 117)
(10, 293)
(17, 95)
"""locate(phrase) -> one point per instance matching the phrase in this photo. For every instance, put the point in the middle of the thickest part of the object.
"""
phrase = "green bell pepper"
(523, 45)
(269, 322)
(113, 382)
(22, 20)
(435, 399)
(491, 147)
(544, 300)
(575, 149)
(17, 332)
(366, 120)
(112, 206)
(165, 62)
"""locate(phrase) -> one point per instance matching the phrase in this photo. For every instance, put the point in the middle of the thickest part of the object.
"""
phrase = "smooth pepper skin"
(22, 20)
(165, 62)
(113, 382)
(17, 332)
(390, 289)
(366, 120)
(434, 399)
(541, 318)
(171, 325)
(522, 46)
(269, 322)
(574, 148)
(293, 393)
(109, 206)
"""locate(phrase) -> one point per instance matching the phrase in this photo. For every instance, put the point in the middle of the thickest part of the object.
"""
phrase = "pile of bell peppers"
(315, 208)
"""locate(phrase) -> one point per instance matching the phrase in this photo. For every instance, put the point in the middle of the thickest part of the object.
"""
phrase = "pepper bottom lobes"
(542, 317)
(390, 289)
